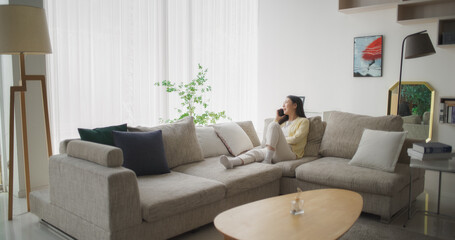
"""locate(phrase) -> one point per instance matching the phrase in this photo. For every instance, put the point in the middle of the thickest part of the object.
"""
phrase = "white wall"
(306, 48)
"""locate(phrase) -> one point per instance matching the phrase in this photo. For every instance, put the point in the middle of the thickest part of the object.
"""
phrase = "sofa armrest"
(101, 154)
(105, 196)
(64, 145)
(404, 158)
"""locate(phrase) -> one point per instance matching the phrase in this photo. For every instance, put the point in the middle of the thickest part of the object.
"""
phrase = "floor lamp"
(417, 45)
(23, 30)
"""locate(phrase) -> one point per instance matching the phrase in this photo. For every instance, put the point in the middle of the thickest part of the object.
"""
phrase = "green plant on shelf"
(193, 99)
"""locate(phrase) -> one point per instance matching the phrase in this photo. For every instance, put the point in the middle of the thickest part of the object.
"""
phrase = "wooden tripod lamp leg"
(11, 153)
(46, 116)
(25, 144)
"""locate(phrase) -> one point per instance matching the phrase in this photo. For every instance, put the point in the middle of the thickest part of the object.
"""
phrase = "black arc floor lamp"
(417, 45)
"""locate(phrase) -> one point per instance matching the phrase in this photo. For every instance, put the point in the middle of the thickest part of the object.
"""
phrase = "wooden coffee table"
(329, 213)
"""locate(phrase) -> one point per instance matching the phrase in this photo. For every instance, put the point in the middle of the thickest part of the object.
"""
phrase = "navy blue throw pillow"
(143, 152)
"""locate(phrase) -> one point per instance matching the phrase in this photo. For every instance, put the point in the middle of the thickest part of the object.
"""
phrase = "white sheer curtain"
(107, 55)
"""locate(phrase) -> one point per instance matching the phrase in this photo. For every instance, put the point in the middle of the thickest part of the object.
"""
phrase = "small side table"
(433, 165)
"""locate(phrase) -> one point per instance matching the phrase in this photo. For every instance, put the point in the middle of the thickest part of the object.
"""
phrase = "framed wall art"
(368, 56)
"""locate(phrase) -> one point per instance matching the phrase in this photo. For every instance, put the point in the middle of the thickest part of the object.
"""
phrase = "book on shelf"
(447, 111)
(432, 147)
(442, 112)
(429, 156)
(449, 114)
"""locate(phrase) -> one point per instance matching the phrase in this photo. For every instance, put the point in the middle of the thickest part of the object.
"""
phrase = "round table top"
(328, 214)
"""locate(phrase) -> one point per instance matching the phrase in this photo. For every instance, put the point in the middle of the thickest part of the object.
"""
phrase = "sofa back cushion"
(344, 131)
(317, 128)
(181, 145)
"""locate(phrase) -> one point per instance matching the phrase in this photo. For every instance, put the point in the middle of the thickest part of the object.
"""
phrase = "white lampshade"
(23, 29)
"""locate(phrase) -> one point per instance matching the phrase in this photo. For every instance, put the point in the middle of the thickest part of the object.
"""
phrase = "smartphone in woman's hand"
(280, 112)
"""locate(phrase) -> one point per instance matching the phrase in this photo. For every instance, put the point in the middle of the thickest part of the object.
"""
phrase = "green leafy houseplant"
(193, 103)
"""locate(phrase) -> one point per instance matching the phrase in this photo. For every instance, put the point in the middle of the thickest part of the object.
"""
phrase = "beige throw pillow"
(233, 137)
(210, 143)
(248, 127)
(181, 145)
(379, 150)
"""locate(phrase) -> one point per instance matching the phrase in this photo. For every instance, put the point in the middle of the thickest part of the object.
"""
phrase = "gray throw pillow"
(180, 141)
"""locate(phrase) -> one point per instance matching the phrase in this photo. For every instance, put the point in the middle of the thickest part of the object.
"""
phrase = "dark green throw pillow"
(101, 135)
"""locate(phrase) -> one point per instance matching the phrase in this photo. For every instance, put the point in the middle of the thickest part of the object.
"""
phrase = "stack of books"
(447, 111)
(430, 151)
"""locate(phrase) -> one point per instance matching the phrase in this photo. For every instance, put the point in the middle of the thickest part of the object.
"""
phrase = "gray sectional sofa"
(91, 196)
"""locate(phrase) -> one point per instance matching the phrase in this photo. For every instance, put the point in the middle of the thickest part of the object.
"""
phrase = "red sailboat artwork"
(368, 56)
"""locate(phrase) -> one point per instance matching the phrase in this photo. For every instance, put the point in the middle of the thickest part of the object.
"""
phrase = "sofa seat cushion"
(337, 173)
(236, 180)
(288, 167)
(172, 193)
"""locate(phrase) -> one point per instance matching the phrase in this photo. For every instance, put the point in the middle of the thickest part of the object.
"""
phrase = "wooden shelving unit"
(446, 26)
(354, 6)
(418, 10)
(444, 104)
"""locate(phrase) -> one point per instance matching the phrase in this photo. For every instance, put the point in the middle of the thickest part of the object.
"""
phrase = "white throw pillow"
(233, 137)
(379, 150)
(210, 143)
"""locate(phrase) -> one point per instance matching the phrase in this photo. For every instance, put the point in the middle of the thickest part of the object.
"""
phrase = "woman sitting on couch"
(286, 137)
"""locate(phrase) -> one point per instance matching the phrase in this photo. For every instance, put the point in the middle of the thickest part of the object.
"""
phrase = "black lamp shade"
(418, 45)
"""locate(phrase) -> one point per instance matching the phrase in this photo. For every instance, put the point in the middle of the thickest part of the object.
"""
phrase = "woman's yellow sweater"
(298, 135)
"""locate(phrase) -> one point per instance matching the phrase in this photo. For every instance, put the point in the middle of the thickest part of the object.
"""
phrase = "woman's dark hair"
(299, 110)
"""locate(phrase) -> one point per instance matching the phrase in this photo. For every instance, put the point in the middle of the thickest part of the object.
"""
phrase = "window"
(107, 55)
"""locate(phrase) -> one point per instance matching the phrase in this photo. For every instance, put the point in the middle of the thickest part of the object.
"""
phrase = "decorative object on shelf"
(416, 108)
(368, 56)
(446, 33)
(447, 110)
(23, 30)
(417, 45)
(193, 99)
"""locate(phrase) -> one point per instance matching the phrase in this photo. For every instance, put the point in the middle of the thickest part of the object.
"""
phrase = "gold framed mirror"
(416, 108)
